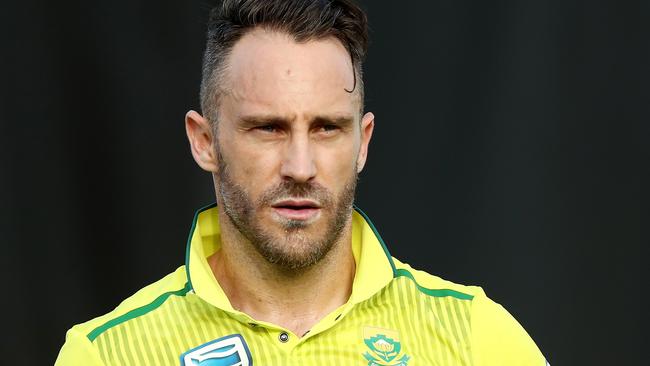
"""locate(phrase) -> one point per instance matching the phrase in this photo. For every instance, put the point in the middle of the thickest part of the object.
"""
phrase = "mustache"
(290, 189)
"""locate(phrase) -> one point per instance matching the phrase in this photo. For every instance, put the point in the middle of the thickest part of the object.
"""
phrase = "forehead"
(268, 72)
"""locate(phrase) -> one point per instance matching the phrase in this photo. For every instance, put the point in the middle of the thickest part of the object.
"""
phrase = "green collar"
(374, 265)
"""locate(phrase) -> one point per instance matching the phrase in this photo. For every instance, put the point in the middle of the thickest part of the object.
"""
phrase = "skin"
(286, 117)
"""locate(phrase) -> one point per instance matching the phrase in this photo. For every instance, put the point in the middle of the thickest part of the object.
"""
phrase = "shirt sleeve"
(78, 351)
(498, 339)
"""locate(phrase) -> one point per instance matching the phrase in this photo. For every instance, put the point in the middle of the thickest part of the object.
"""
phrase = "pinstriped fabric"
(425, 338)
(126, 345)
(428, 326)
(115, 343)
(421, 310)
(453, 345)
(432, 331)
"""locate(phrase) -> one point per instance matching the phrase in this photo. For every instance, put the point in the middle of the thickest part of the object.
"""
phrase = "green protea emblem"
(385, 348)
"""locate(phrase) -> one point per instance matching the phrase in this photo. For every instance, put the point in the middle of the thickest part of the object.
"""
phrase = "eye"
(329, 128)
(270, 128)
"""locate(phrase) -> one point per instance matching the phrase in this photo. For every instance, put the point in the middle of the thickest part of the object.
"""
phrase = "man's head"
(302, 20)
(285, 93)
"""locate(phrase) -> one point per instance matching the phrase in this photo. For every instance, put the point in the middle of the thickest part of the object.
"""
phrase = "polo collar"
(374, 265)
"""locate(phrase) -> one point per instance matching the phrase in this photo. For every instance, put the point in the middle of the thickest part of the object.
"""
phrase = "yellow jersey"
(395, 316)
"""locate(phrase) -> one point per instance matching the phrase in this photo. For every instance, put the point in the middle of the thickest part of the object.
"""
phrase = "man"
(284, 270)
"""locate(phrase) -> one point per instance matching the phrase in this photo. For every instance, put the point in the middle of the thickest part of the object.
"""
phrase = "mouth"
(297, 209)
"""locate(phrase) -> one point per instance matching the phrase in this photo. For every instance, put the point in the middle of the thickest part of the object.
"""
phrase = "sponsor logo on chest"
(226, 351)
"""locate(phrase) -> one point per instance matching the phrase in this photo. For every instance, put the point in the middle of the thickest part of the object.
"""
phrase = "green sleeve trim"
(431, 292)
(136, 312)
(160, 299)
(381, 241)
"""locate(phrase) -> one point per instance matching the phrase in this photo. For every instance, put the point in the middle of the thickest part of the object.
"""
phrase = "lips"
(297, 209)
(297, 204)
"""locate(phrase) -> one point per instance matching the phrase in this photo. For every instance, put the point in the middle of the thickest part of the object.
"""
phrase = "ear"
(199, 132)
(367, 126)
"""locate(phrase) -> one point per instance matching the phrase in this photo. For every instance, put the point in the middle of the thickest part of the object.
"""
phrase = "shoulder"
(495, 336)
(432, 285)
(79, 347)
(142, 302)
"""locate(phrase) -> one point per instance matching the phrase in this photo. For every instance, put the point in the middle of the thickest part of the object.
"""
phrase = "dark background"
(510, 151)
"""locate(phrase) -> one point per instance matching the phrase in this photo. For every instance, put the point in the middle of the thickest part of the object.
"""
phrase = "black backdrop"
(510, 151)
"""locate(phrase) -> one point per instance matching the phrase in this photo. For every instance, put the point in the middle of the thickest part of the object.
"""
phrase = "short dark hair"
(304, 20)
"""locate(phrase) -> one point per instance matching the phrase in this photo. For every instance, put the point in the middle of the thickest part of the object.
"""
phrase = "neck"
(293, 299)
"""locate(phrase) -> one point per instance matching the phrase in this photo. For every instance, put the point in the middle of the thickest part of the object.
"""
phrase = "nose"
(298, 163)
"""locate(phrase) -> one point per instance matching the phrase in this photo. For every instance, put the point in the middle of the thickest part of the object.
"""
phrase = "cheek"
(254, 168)
(337, 165)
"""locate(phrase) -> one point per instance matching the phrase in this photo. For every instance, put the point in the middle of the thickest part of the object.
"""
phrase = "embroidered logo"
(384, 347)
(227, 351)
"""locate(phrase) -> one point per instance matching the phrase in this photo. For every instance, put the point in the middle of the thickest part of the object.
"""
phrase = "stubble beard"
(295, 249)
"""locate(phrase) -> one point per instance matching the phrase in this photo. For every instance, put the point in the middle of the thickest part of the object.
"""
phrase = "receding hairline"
(218, 80)
(270, 34)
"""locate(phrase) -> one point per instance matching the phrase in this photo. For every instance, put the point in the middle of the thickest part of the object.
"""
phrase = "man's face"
(290, 145)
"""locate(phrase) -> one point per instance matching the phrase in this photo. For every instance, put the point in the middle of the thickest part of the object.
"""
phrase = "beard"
(294, 247)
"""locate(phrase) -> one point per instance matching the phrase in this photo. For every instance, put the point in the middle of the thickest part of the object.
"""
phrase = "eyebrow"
(341, 121)
(258, 120)
(263, 120)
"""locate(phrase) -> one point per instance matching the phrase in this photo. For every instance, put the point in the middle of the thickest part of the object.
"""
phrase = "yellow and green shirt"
(395, 316)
